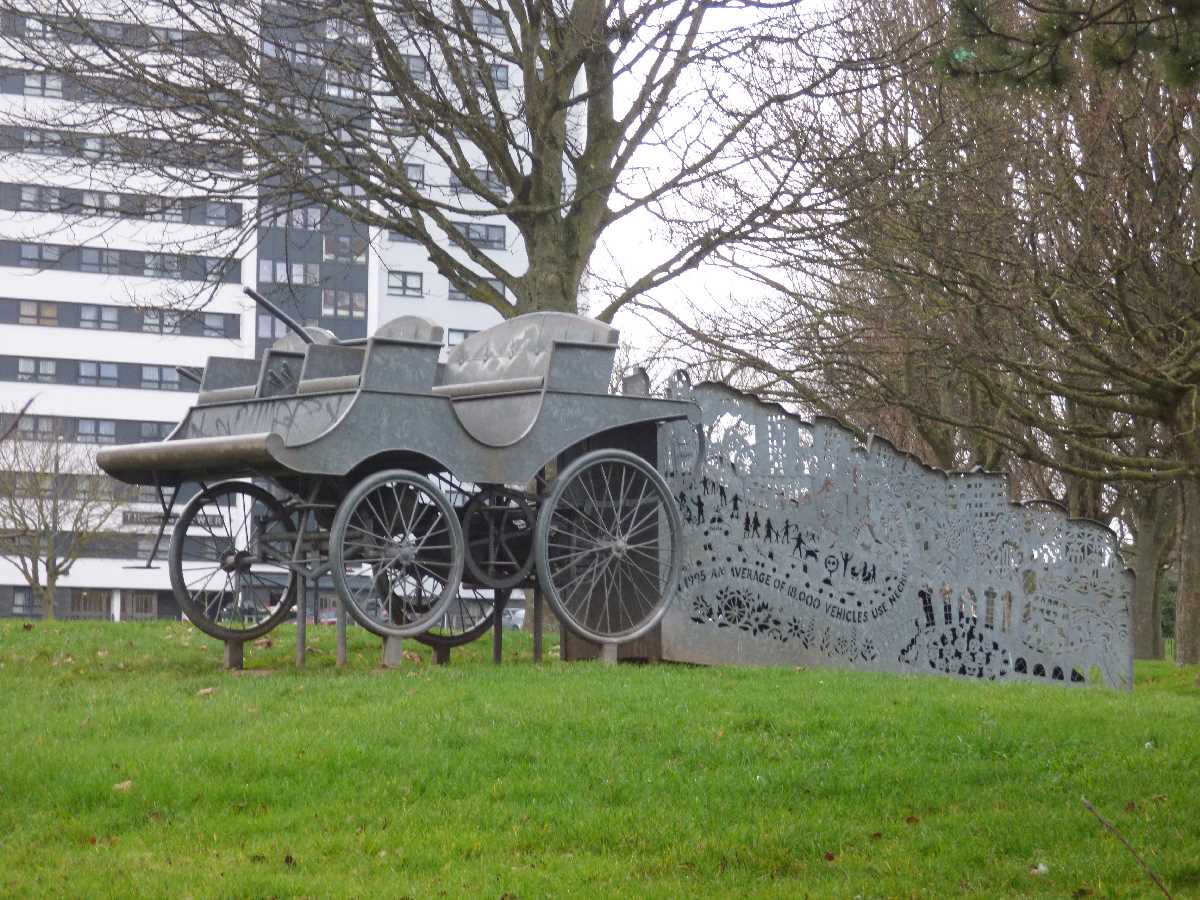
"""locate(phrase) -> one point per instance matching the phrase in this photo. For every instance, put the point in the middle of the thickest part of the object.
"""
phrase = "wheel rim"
(397, 553)
(498, 532)
(230, 558)
(608, 546)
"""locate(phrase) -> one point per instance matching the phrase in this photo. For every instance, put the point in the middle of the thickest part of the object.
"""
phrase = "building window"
(41, 85)
(405, 284)
(279, 272)
(161, 265)
(216, 214)
(345, 247)
(160, 378)
(36, 198)
(344, 304)
(98, 203)
(415, 173)
(160, 321)
(35, 256)
(33, 312)
(90, 604)
(38, 427)
(155, 431)
(500, 75)
(107, 262)
(489, 237)
(103, 318)
(98, 373)
(457, 336)
(271, 328)
(163, 209)
(418, 70)
(96, 431)
(486, 22)
(24, 603)
(495, 283)
(213, 325)
(43, 370)
(139, 604)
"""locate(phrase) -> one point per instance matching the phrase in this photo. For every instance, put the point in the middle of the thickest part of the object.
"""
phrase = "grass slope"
(570, 780)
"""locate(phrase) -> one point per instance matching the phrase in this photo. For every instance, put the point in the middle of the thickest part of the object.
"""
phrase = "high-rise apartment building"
(89, 328)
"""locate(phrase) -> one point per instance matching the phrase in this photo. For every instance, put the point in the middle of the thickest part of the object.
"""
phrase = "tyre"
(229, 561)
(396, 551)
(609, 546)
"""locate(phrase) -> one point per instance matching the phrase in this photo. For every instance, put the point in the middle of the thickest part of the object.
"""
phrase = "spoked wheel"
(229, 559)
(609, 546)
(498, 530)
(396, 551)
(469, 616)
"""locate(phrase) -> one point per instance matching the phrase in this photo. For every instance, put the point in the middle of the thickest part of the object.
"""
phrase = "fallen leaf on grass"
(28, 626)
(1131, 806)
(1159, 798)
(1081, 892)
(289, 860)
(124, 786)
(264, 643)
(85, 722)
(206, 692)
(411, 656)
(876, 835)
(257, 857)
(830, 857)
(102, 653)
(912, 820)
(1039, 869)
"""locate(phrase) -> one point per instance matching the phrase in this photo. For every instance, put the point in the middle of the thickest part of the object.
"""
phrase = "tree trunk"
(1155, 522)
(1187, 600)
(45, 595)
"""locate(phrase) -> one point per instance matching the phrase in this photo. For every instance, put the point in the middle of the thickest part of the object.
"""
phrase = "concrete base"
(608, 654)
(647, 648)
(235, 654)
(393, 652)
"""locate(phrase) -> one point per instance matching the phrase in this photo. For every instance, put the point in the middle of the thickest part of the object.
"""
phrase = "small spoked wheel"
(396, 551)
(229, 561)
(609, 546)
(498, 530)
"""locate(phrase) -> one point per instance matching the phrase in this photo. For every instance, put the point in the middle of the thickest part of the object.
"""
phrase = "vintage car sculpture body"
(407, 481)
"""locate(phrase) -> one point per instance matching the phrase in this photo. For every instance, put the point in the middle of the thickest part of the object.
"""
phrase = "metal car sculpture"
(407, 480)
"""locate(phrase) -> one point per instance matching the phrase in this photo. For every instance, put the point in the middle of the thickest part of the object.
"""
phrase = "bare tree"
(1018, 281)
(54, 509)
(566, 117)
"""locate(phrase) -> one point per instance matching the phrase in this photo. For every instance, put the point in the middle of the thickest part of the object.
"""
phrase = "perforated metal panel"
(804, 546)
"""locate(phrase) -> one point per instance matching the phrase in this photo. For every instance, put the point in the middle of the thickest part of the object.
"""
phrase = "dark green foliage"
(1023, 43)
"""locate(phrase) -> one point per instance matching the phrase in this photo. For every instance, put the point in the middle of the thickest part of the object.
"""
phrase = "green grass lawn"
(570, 779)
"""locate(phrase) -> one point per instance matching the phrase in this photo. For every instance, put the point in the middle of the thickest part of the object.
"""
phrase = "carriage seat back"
(497, 379)
(516, 356)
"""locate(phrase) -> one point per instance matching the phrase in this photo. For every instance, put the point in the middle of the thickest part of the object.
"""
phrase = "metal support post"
(341, 633)
(538, 618)
(497, 639)
(393, 652)
(235, 654)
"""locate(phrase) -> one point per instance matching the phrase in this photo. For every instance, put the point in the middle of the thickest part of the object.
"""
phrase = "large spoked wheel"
(609, 546)
(498, 529)
(396, 551)
(229, 559)
(468, 617)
